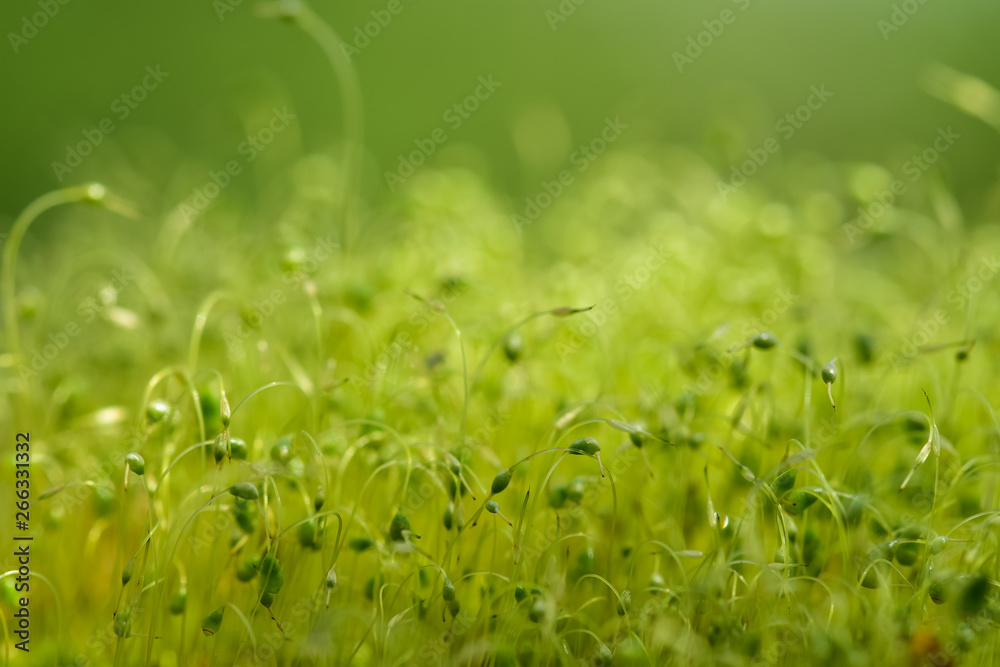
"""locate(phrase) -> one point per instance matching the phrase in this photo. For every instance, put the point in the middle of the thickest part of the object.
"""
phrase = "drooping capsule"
(238, 449)
(128, 571)
(213, 621)
(501, 481)
(448, 590)
(513, 346)
(244, 490)
(136, 463)
(221, 447)
(765, 340)
(399, 528)
(178, 603)
(157, 411)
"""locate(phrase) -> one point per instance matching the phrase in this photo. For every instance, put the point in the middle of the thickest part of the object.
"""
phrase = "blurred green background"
(558, 85)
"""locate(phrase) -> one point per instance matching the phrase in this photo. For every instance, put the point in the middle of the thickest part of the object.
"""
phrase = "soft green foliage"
(745, 522)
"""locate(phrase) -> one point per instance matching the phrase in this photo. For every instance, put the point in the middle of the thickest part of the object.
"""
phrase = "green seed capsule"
(373, 585)
(864, 347)
(907, 553)
(449, 516)
(513, 346)
(448, 590)
(939, 590)
(586, 561)
(829, 373)
(243, 510)
(938, 544)
(128, 571)
(974, 594)
(399, 527)
(537, 611)
(575, 490)
(281, 451)
(267, 599)
(136, 463)
(320, 498)
(586, 445)
(869, 578)
(157, 411)
(247, 570)
(123, 622)
(784, 483)
(213, 621)
(492, 506)
(238, 448)
(501, 481)
(625, 603)
(656, 581)
(360, 544)
(104, 501)
(454, 606)
(797, 502)
(271, 578)
(178, 603)
(520, 593)
(221, 448)
(765, 340)
(307, 534)
(244, 490)
(558, 496)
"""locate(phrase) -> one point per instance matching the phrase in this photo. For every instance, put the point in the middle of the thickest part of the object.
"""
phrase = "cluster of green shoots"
(450, 444)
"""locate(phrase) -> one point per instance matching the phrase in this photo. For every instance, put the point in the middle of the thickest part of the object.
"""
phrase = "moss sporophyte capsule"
(244, 490)
(399, 528)
(765, 340)
(501, 481)
(213, 621)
